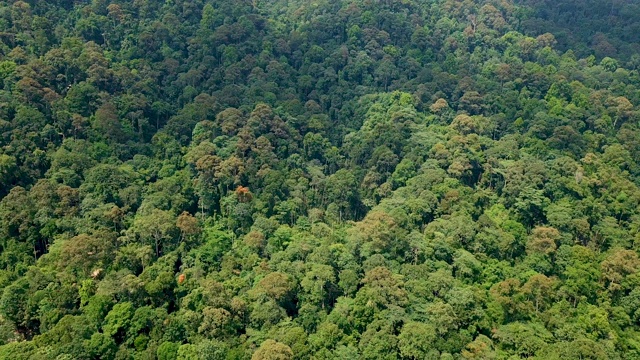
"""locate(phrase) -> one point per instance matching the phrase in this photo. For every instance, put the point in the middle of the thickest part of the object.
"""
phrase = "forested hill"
(330, 179)
(600, 27)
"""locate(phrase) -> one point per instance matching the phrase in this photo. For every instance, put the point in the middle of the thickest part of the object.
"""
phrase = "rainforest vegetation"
(316, 180)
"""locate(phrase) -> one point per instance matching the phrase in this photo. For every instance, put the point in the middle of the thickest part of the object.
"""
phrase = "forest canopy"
(336, 179)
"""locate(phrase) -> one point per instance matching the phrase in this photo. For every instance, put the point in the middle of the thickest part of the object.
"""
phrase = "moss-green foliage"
(318, 180)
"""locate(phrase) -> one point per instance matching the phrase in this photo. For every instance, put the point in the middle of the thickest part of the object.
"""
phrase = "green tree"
(272, 350)
(158, 229)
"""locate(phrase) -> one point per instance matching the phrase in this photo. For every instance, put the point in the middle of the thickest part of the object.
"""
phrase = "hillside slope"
(359, 179)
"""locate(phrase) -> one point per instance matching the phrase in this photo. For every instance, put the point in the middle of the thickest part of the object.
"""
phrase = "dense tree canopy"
(337, 179)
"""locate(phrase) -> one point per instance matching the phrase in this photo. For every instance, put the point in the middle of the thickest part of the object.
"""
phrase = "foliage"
(413, 179)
